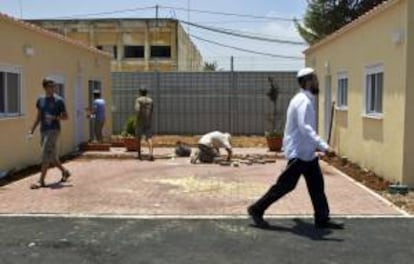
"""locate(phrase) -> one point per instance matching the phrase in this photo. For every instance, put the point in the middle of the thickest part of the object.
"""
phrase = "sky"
(36, 9)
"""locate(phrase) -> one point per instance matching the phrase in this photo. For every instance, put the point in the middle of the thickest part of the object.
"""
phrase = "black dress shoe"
(329, 224)
(257, 218)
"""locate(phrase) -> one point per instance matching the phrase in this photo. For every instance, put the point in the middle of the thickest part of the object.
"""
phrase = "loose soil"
(373, 181)
(237, 141)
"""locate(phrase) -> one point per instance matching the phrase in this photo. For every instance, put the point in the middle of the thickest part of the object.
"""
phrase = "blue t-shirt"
(50, 107)
(99, 107)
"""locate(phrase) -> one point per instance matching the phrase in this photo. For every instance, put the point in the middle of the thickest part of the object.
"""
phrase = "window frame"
(60, 80)
(160, 57)
(134, 58)
(13, 70)
(341, 76)
(371, 109)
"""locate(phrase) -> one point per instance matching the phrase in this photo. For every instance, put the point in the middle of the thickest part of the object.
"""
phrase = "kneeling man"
(209, 145)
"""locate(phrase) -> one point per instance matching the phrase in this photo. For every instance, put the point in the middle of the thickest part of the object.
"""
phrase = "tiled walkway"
(175, 187)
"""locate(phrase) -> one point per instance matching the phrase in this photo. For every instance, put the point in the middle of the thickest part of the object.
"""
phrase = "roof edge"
(357, 22)
(53, 35)
(100, 19)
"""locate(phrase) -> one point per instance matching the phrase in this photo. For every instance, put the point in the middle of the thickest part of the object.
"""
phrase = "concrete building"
(136, 45)
(367, 68)
(28, 54)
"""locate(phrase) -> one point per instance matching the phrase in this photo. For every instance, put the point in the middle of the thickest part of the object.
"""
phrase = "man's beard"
(314, 89)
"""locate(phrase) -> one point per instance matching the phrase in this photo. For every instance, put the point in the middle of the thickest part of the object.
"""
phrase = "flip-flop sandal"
(65, 176)
(36, 186)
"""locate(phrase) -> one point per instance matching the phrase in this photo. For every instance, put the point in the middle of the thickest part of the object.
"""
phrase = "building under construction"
(136, 45)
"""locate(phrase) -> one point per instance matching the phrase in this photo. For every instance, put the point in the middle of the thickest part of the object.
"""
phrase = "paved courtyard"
(175, 187)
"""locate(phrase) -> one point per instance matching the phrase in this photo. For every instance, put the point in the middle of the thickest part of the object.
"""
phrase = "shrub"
(130, 126)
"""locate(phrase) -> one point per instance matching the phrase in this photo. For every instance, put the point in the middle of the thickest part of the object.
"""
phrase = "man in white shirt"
(209, 145)
(300, 144)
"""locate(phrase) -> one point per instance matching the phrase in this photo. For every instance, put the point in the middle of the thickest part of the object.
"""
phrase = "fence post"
(230, 108)
(157, 101)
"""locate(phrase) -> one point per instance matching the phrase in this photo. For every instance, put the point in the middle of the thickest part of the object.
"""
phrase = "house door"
(79, 111)
(328, 105)
(93, 86)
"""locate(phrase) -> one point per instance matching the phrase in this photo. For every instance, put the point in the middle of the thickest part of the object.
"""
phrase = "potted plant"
(117, 141)
(95, 146)
(274, 140)
(129, 134)
(274, 137)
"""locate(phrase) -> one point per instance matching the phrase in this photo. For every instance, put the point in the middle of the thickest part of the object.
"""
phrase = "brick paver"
(175, 187)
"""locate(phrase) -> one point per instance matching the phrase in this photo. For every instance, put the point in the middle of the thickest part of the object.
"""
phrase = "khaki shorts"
(143, 130)
(207, 154)
(49, 145)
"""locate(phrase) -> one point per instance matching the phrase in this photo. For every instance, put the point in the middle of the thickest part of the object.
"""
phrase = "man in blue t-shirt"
(99, 115)
(50, 111)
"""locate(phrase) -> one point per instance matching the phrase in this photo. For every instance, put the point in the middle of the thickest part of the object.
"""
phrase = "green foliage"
(210, 66)
(323, 17)
(130, 126)
(273, 134)
(273, 95)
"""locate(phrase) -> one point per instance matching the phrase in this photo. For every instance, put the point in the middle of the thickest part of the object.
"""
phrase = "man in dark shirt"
(50, 111)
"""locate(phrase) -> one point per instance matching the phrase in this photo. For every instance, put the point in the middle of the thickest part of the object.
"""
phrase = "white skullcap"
(305, 72)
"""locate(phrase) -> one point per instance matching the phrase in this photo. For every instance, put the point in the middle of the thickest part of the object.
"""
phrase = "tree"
(210, 66)
(323, 17)
(273, 95)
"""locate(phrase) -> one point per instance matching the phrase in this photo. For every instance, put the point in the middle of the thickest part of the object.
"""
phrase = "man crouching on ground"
(209, 145)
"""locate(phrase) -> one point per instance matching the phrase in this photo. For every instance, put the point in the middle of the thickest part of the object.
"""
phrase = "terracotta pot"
(118, 144)
(95, 147)
(130, 144)
(274, 143)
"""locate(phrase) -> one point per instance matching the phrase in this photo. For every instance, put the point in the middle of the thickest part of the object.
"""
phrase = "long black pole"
(331, 122)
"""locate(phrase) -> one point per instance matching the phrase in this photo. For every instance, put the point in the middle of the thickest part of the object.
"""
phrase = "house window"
(374, 89)
(60, 89)
(133, 52)
(342, 91)
(160, 52)
(94, 86)
(10, 93)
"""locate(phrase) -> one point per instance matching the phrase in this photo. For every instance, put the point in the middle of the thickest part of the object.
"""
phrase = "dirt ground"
(237, 141)
(374, 182)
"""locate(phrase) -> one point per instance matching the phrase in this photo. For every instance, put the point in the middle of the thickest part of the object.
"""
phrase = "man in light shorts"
(209, 147)
(144, 107)
(50, 111)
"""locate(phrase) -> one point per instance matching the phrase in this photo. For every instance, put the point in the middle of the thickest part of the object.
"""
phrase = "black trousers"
(288, 181)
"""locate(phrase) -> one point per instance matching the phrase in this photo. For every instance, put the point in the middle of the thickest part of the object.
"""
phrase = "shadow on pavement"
(304, 229)
(58, 185)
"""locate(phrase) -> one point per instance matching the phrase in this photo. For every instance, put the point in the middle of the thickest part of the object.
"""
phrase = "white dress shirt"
(300, 139)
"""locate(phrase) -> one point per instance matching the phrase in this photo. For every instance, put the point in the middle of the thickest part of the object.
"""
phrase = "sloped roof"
(50, 34)
(359, 21)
